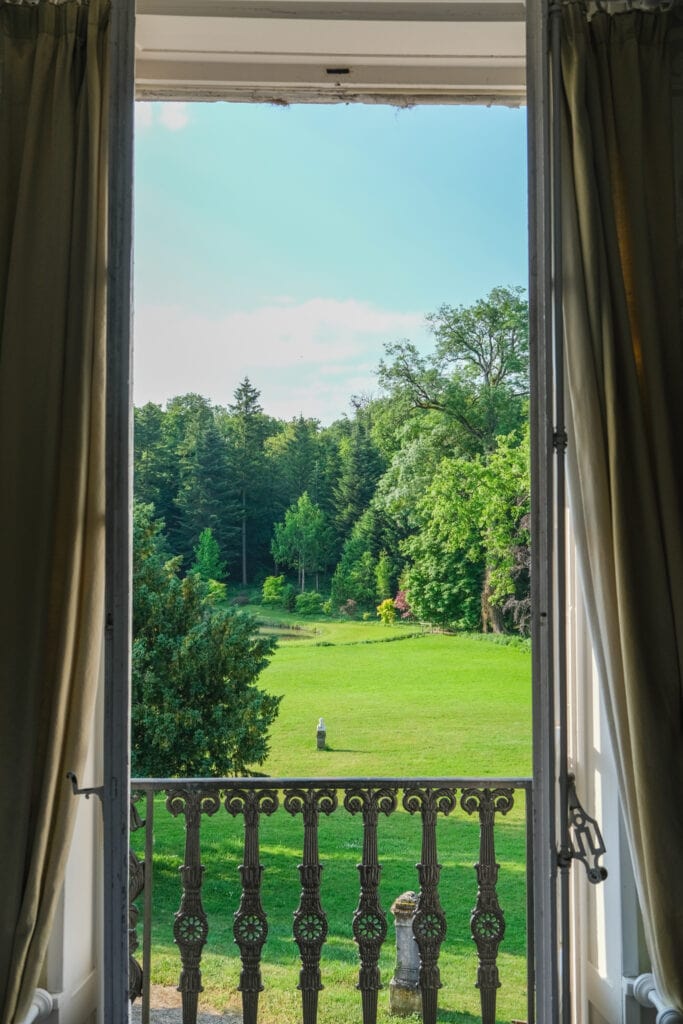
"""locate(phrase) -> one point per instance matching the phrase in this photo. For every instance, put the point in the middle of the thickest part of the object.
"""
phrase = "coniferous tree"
(207, 558)
(196, 710)
(204, 495)
(361, 468)
(247, 430)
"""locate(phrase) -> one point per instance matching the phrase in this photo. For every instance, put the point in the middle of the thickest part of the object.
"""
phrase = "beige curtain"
(624, 355)
(53, 62)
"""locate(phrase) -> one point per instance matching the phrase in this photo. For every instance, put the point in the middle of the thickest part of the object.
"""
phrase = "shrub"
(401, 605)
(273, 590)
(309, 603)
(387, 612)
(240, 599)
(289, 594)
(349, 608)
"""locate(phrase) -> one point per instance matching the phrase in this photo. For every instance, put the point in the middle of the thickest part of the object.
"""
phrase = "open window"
(395, 51)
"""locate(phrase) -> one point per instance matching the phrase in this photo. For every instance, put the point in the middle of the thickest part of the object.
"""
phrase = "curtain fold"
(624, 359)
(53, 102)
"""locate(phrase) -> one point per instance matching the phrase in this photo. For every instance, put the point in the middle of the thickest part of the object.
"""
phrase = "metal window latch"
(587, 844)
(560, 439)
(97, 791)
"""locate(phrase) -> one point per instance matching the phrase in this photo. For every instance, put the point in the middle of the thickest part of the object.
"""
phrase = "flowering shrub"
(401, 605)
(386, 611)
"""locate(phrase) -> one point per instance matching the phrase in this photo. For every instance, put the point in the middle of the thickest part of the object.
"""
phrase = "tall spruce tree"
(361, 468)
(248, 429)
(204, 497)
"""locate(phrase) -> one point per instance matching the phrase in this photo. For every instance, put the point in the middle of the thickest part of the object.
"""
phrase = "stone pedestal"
(405, 996)
(321, 734)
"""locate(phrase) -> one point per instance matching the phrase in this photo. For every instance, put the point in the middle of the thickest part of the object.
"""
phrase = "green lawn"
(426, 705)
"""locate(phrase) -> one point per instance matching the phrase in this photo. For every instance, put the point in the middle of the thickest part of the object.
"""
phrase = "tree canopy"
(421, 488)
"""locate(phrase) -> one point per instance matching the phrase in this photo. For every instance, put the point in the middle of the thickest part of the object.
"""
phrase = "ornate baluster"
(190, 927)
(136, 883)
(251, 925)
(429, 926)
(487, 921)
(310, 923)
(369, 920)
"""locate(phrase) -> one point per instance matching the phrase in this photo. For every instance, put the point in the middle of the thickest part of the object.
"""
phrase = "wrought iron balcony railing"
(367, 799)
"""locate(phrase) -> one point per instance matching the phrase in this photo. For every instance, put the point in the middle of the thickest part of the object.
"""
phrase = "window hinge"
(97, 791)
(585, 842)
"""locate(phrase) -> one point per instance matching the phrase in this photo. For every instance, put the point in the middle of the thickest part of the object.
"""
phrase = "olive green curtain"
(53, 99)
(624, 358)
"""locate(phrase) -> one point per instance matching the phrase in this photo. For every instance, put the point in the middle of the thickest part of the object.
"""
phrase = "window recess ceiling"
(396, 51)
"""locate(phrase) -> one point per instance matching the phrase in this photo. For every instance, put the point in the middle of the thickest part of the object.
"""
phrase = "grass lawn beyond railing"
(430, 705)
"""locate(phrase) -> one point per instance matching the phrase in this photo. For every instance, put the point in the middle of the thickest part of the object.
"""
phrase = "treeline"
(422, 490)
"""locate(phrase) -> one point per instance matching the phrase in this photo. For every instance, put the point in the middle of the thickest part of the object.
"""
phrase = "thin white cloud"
(306, 357)
(172, 116)
(144, 116)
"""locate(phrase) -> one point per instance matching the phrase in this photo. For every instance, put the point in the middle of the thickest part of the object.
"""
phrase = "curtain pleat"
(53, 101)
(624, 355)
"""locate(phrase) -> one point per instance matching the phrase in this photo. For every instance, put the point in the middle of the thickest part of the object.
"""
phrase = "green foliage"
(361, 468)
(469, 561)
(355, 577)
(353, 502)
(478, 375)
(387, 612)
(310, 603)
(196, 709)
(289, 596)
(273, 590)
(207, 558)
(302, 541)
(246, 430)
(383, 577)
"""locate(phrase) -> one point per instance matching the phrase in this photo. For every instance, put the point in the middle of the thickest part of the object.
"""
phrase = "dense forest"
(422, 491)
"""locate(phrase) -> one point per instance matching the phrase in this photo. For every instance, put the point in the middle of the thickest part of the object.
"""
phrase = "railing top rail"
(341, 782)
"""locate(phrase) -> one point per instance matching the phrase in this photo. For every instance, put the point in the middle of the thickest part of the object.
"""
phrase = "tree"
(446, 559)
(204, 498)
(196, 709)
(469, 560)
(207, 558)
(302, 541)
(383, 576)
(247, 429)
(361, 468)
(478, 375)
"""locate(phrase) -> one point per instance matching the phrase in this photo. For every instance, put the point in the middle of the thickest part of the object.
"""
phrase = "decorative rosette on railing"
(487, 922)
(310, 922)
(429, 925)
(191, 927)
(369, 920)
(251, 925)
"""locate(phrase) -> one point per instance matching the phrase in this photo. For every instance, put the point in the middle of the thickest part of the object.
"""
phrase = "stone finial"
(405, 997)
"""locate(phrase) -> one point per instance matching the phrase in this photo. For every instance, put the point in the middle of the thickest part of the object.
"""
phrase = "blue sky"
(291, 244)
